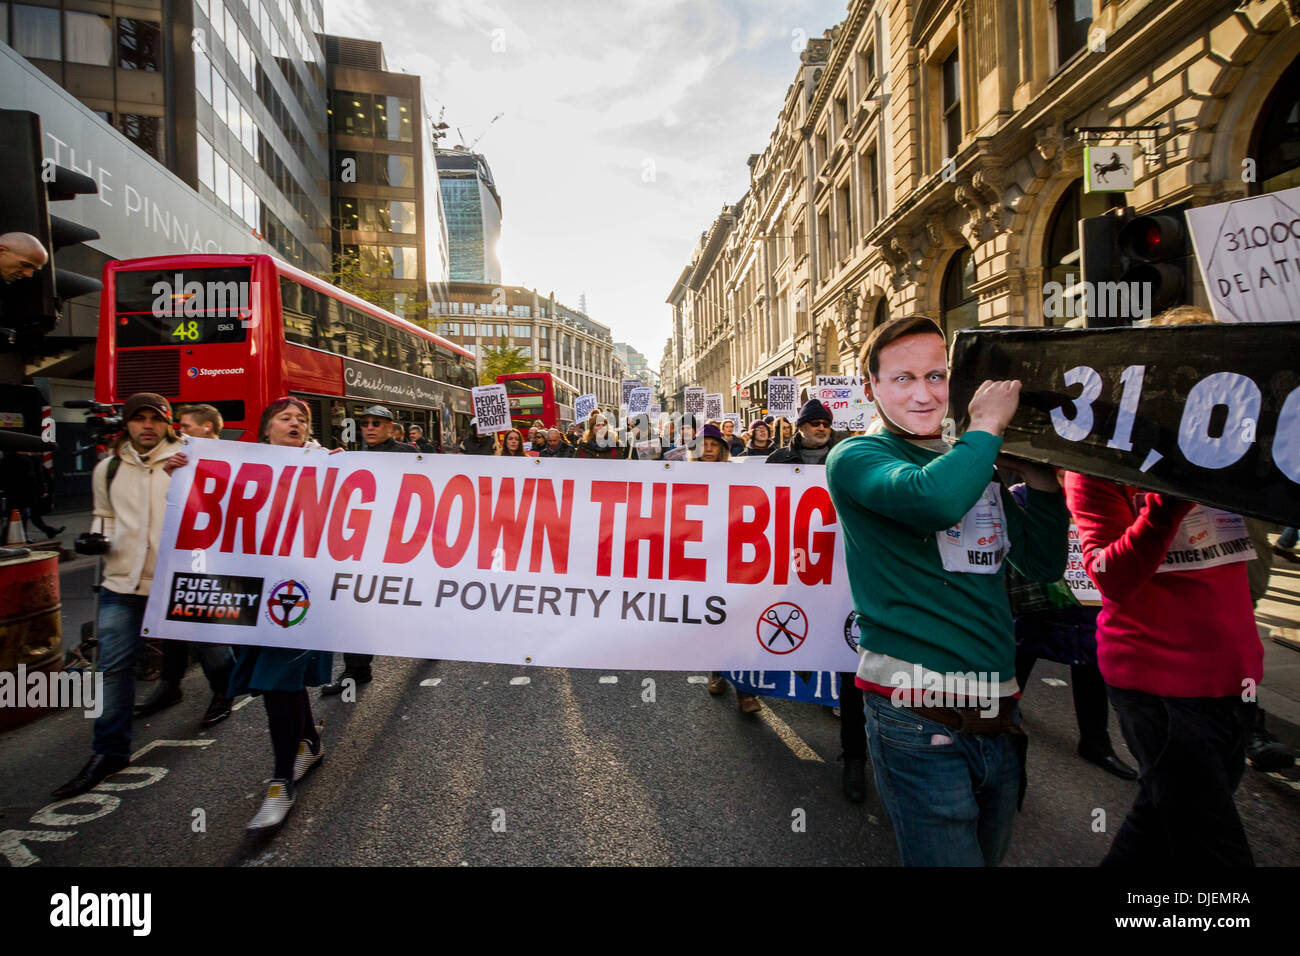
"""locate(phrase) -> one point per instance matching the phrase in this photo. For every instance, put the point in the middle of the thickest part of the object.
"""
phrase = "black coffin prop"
(1210, 413)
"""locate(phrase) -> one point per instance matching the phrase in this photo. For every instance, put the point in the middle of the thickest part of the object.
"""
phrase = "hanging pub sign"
(1108, 169)
(1210, 413)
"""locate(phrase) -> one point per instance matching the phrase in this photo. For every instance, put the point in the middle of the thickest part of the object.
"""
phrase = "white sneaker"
(307, 758)
(276, 806)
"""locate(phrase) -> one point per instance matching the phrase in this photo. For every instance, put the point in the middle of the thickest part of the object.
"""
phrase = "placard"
(491, 409)
(845, 397)
(783, 397)
(1210, 413)
(1076, 576)
(733, 417)
(476, 559)
(655, 412)
(713, 406)
(693, 402)
(638, 401)
(583, 407)
(625, 390)
(1246, 250)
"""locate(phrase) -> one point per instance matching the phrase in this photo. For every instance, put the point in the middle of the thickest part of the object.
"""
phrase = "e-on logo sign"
(287, 603)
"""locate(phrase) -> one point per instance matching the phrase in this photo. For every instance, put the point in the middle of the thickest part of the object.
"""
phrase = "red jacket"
(1174, 634)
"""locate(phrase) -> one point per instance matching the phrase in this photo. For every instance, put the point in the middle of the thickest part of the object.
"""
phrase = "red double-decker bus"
(539, 395)
(238, 331)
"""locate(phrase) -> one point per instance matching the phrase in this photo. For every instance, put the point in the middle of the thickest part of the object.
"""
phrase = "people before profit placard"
(130, 501)
(927, 530)
(282, 675)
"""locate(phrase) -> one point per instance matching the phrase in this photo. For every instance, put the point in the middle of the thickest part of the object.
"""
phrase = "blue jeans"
(121, 617)
(950, 803)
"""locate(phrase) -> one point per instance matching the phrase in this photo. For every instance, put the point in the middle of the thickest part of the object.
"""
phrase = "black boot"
(855, 779)
(1267, 754)
(95, 770)
(336, 686)
(164, 695)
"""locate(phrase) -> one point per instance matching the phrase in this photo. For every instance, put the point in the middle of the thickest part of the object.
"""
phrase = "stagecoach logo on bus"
(180, 299)
(196, 372)
(215, 598)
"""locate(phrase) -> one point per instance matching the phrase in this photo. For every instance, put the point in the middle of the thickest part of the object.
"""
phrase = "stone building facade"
(933, 155)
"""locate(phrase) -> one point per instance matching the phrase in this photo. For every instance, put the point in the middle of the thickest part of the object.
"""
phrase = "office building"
(473, 209)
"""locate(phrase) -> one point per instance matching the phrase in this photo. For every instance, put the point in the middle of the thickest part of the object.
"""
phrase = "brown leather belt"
(969, 720)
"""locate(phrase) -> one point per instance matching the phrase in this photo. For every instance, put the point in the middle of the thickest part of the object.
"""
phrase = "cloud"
(596, 95)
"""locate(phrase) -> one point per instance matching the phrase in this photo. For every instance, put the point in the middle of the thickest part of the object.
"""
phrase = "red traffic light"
(1153, 237)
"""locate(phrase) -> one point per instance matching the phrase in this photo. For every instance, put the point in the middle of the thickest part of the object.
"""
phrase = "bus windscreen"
(525, 386)
(194, 307)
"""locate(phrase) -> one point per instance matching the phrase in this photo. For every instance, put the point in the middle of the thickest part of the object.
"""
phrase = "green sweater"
(892, 496)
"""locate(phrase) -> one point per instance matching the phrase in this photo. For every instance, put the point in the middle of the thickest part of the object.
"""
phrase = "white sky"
(627, 124)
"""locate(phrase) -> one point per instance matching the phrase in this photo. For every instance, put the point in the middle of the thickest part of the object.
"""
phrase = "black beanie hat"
(814, 411)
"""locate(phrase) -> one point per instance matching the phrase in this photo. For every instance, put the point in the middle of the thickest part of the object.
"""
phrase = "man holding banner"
(927, 529)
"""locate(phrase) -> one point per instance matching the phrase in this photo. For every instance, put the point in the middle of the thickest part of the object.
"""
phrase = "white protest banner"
(655, 412)
(552, 562)
(625, 390)
(1246, 250)
(583, 407)
(713, 406)
(845, 396)
(1076, 576)
(491, 408)
(783, 396)
(638, 401)
(693, 400)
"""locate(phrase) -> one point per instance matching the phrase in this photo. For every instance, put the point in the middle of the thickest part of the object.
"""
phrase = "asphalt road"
(447, 763)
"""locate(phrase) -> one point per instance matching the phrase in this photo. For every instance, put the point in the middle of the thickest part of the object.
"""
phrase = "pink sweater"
(1174, 634)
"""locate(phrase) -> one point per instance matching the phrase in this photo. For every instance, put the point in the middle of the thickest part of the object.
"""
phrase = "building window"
(221, 178)
(203, 77)
(960, 305)
(871, 170)
(205, 162)
(139, 44)
(522, 331)
(393, 170)
(824, 241)
(4, 22)
(388, 215)
(144, 131)
(841, 114)
(347, 215)
(393, 118)
(36, 32)
(1073, 21)
(1276, 138)
(881, 315)
(951, 106)
(867, 68)
(88, 38)
(390, 262)
(846, 221)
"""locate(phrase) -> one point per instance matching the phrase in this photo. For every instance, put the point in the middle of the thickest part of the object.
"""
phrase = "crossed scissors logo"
(783, 623)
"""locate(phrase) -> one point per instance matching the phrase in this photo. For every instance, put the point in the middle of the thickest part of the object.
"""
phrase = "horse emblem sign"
(1108, 169)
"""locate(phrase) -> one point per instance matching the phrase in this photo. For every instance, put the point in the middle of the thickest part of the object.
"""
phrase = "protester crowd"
(1168, 649)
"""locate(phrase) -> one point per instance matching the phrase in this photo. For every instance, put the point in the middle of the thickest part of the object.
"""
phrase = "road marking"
(609, 679)
(170, 743)
(431, 682)
(1293, 784)
(1054, 682)
(697, 679)
(520, 681)
(241, 704)
(788, 736)
(12, 849)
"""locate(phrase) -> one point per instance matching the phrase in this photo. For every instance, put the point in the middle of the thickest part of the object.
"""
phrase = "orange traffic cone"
(16, 528)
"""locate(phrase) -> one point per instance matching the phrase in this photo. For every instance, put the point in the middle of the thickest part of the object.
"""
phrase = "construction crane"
(470, 147)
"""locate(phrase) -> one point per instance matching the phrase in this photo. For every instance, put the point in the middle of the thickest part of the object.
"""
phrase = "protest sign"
(491, 408)
(693, 402)
(1076, 576)
(713, 406)
(653, 565)
(582, 408)
(625, 390)
(845, 396)
(733, 417)
(1210, 413)
(809, 687)
(783, 396)
(655, 412)
(1246, 250)
(638, 402)
(649, 450)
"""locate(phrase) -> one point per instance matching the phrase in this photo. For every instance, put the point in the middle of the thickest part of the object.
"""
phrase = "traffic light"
(1156, 257)
(1135, 267)
(29, 307)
